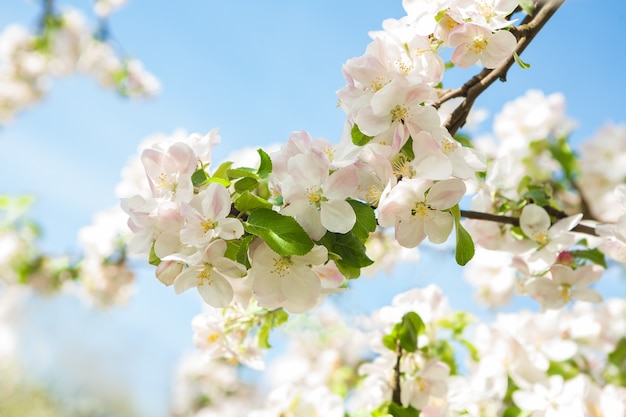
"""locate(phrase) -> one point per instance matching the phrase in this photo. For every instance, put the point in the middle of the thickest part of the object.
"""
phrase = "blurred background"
(258, 71)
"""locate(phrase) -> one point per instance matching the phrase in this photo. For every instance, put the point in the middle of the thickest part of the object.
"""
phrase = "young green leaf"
(527, 6)
(365, 220)
(464, 242)
(410, 328)
(519, 61)
(199, 177)
(358, 137)
(246, 184)
(397, 410)
(247, 202)
(282, 234)
(265, 168)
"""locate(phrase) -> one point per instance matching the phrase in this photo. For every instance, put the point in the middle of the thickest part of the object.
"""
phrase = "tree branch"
(524, 33)
(514, 221)
(396, 396)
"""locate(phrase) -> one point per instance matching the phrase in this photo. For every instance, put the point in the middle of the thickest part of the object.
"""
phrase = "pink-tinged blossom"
(439, 156)
(169, 172)
(491, 14)
(316, 198)
(417, 207)
(206, 217)
(424, 14)
(285, 281)
(203, 145)
(399, 110)
(564, 285)
(477, 44)
(409, 54)
(375, 173)
(209, 271)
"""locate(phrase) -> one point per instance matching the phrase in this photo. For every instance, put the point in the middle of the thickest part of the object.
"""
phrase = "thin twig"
(514, 221)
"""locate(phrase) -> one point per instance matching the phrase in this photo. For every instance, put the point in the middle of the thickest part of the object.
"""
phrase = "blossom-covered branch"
(525, 33)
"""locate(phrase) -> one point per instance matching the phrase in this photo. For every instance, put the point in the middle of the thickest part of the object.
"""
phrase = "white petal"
(445, 194)
(439, 227)
(216, 291)
(534, 220)
(302, 290)
(337, 216)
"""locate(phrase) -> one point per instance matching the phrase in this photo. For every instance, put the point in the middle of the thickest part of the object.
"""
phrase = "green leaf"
(565, 156)
(409, 329)
(199, 177)
(567, 369)
(514, 411)
(235, 173)
(407, 149)
(390, 342)
(242, 252)
(398, 411)
(527, 6)
(222, 170)
(618, 356)
(592, 255)
(218, 180)
(358, 137)
(519, 61)
(265, 168)
(282, 234)
(464, 242)
(246, 184)
(365, 220)
(444, 351)
(153, 259)
(349, 253)
(271, 320)
(247, 202)
(538, 196)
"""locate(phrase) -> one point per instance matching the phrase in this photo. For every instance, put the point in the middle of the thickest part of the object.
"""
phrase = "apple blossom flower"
(602, 169)
(209, 271)
(554, 398)
(565, 284)
(206, 217)
(474, 43)
(438, 156)
(549, 238)
(169, 172)
(417, 207)
(285, 281)
(399, 110)
(224, 334)
(491, 14)
(422, 379)
(316, 198)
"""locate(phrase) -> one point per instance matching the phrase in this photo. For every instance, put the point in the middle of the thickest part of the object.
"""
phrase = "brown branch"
(514, 221)
(396, 396)
(526, 32)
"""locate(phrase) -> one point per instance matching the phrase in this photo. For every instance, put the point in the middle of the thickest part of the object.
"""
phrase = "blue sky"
(258, 71)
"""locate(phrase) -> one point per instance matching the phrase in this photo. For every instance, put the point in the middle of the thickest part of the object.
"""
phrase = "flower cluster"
(560, 362)
(65, 44)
